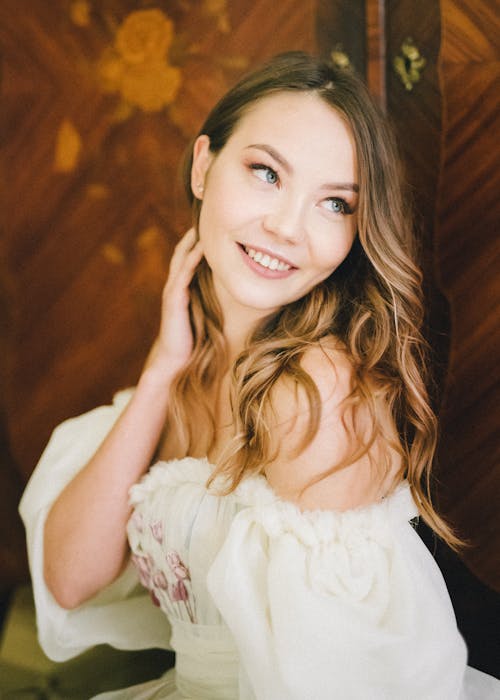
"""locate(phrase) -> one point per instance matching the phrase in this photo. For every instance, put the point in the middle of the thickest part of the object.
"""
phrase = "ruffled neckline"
(255, 491)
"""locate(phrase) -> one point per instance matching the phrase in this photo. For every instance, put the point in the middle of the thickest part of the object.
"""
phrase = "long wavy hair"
(372, 303)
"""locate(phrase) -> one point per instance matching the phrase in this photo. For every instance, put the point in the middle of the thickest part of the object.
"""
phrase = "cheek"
(228, 215)
(332, 252)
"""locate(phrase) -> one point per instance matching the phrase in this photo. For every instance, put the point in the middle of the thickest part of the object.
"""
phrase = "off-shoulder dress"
(259, 600)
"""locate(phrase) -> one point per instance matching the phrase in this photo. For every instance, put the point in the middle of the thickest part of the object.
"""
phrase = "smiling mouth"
(266, 260)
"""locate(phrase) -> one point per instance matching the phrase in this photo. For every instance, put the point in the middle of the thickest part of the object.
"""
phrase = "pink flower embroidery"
(157, 581)
(138, 521)
(160, 580)
(178, 592)
(144, 567)
(155, 599)
(173, 558)
(178, 567)
(157, 530)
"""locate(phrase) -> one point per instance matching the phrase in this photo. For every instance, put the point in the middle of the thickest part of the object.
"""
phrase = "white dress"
(259, 600)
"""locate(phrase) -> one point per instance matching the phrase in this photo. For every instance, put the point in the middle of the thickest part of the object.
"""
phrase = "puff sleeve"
(330, 604)
(121, 614)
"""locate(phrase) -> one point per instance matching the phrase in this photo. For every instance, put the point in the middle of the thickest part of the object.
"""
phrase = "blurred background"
(98, 102)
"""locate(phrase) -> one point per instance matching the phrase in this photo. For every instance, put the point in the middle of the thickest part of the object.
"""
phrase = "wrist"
(157, 377)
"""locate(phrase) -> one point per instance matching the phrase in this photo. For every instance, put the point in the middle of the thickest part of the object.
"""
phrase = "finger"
(182, 248)
(180, 277)
(185, 273)
(188, 240)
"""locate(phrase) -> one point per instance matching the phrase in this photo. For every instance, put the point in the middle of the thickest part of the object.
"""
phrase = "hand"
(174, 343)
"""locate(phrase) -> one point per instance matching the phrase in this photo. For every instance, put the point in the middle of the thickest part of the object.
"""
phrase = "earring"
(200, 187)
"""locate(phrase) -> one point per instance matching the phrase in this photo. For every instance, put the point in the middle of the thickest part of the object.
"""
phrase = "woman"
(284, 404)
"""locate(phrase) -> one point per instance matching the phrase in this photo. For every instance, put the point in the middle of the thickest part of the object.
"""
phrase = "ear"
(202, 157)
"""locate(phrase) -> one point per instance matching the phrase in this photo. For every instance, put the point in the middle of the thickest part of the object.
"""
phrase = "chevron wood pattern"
(417, 118)
(86, 249)
(92, 202)
(468, 263)
(416, 114)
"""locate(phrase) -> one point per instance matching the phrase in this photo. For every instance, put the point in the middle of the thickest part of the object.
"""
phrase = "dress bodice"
(220, 566)
(175, 532)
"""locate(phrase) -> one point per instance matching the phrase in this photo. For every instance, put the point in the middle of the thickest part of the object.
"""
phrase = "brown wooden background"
(92, 207)
(92, 203)
(468, 265)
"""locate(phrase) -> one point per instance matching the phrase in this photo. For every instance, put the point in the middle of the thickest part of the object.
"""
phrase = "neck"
(239, 323)
(236, 332)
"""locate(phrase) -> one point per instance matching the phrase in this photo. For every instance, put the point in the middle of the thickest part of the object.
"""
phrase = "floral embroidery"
(138, 521)
(144, 567)
(160, 580)
(169, 587)
(177, 591)
(175, 563)
(157, 530)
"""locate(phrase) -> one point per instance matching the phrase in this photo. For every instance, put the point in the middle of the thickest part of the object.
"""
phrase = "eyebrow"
(350, 186)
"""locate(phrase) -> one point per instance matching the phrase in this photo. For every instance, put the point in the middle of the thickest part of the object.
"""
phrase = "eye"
(337, 205)
(265, 173)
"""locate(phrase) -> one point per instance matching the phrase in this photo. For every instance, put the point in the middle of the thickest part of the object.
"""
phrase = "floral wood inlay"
(96, 191)
(137, 65)
(113, 254)
(218, 10)
(80, 13)
(68, 147)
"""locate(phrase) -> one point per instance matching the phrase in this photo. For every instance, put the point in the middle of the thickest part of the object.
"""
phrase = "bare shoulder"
(308, 476)
(330, 370)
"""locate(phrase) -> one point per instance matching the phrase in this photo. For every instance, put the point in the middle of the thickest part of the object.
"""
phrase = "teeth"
(266, 261)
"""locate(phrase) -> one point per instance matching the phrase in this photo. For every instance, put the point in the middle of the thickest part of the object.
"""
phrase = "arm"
(85, 539)
(122, 615)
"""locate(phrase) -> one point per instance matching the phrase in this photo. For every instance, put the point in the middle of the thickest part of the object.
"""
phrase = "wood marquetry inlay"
(99, 100)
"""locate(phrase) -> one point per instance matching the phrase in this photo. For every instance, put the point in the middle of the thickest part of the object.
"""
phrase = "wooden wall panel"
(416, 113)
(417, 118)
(92, 131)
(340, 26)
(468, 264)
(88, 228)
(447, 128)
(92, 202)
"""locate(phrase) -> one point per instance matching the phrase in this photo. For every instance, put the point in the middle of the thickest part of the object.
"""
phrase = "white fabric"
(264, 602)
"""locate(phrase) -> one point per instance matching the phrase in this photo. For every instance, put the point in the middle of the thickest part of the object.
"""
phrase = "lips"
(267, 259)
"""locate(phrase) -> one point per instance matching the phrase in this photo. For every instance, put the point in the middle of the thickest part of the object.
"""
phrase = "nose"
(286, 219)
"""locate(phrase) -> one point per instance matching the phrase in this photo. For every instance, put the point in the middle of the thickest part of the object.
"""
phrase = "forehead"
(303, 125)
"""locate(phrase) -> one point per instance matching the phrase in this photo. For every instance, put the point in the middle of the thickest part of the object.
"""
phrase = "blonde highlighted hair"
(372, 304)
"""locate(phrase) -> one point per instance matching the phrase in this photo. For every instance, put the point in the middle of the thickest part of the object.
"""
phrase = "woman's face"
(279, 202)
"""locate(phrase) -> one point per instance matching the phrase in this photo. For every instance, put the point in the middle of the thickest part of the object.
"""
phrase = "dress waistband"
(206, 666)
